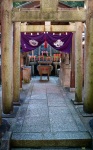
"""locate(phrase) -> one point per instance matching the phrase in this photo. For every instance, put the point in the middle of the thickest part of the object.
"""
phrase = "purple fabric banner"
(30, 42)
(61, 42)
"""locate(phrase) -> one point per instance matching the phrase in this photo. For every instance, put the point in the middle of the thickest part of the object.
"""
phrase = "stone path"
(47, 113)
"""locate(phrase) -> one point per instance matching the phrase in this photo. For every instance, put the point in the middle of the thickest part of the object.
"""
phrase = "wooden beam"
(25, 15)
(42, 28)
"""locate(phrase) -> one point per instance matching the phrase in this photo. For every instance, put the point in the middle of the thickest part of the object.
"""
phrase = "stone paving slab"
(48, 118)
(38, 96)
(38, 103)
(61, 119)
(53, 101)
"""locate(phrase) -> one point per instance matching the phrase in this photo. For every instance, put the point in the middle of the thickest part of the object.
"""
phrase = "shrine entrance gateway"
(11, 46)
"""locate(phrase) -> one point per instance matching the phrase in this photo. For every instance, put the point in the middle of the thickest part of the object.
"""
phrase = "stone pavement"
(47, 117)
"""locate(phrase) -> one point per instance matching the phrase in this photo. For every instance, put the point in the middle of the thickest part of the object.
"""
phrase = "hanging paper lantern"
(45, 44)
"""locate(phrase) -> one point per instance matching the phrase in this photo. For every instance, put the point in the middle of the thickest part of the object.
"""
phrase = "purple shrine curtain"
(30, 42)
(61, 42)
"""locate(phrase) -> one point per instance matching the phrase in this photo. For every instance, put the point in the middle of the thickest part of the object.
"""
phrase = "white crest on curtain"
(58, 43)
(33, 42)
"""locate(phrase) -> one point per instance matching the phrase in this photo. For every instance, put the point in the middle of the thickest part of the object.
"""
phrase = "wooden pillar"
(72, 74)
(7, 56)
(88, 78)
(78, 62)
(16, 63)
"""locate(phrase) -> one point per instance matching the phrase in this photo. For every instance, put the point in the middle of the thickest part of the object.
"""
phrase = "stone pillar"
(50, 51)
(32, 52)
(88, 78)
(49, 5)
(7, 56)
(72, 74)
(16, 63)
(78, 62)
(39, 50)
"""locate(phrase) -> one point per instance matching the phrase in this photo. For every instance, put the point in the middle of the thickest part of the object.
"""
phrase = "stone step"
(57, 139)
(52, 148)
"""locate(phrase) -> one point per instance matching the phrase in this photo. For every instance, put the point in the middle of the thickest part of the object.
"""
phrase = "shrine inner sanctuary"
(46, 74)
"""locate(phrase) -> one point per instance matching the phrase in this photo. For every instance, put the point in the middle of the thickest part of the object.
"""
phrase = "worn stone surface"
(88, 80)
(5, 141)
(78, 63)
(16, 63)
(51, 6)
(37, 15)
(54, 28)
(48, 118)
(72, 73)
(7, 56)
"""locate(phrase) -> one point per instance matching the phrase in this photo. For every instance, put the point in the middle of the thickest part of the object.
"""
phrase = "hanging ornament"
(45, 44)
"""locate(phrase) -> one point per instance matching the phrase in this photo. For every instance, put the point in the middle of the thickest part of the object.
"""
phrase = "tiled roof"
(36, 4)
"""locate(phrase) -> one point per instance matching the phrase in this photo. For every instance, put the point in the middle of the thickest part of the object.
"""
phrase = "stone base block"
(72, 89)
(27, 74)
(76, 103)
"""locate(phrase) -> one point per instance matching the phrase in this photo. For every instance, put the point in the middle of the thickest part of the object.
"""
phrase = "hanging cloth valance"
(61, 42)
(30, 42)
